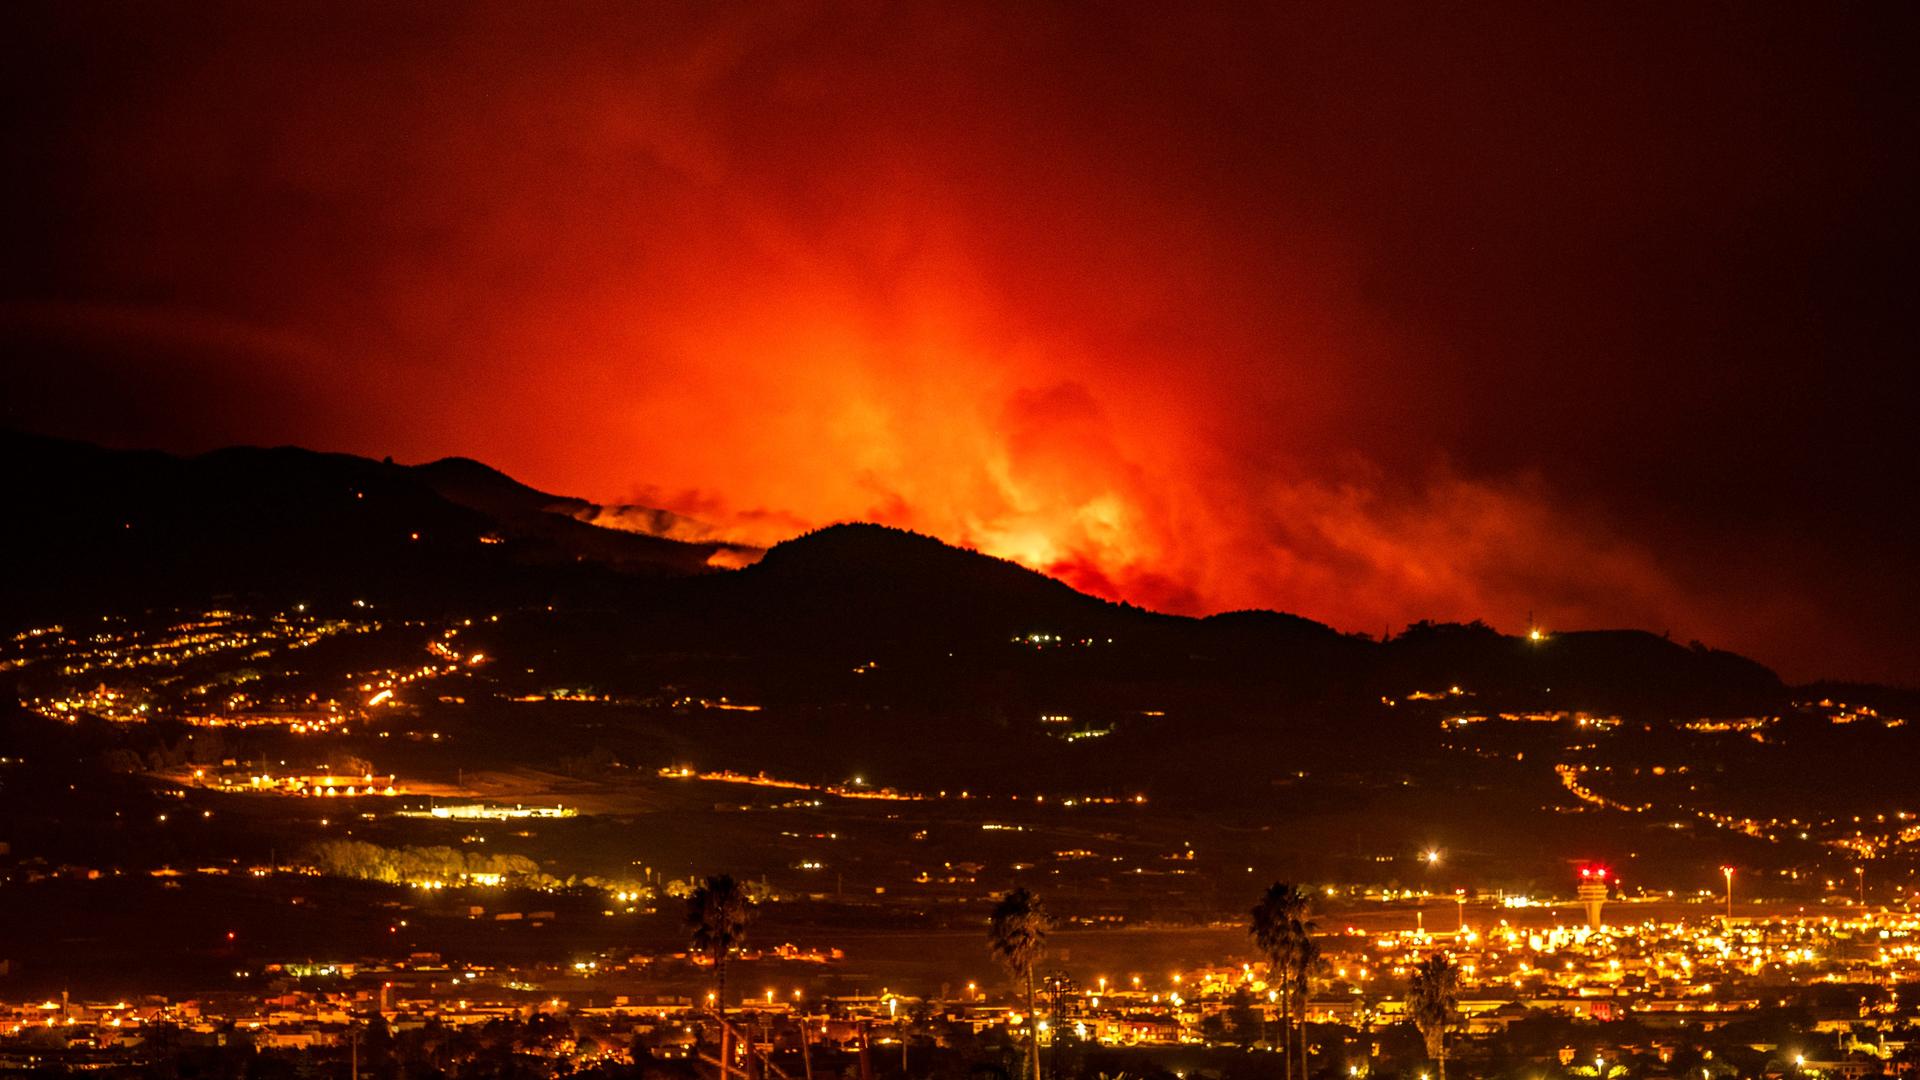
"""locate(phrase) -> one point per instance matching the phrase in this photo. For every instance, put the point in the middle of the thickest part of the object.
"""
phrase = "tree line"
(403, 865)
(1017, 929)
(1278, 923)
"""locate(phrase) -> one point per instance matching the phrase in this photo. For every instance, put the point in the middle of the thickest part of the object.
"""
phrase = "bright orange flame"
(728, 267)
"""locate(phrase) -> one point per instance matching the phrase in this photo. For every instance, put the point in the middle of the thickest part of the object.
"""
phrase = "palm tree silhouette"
(1306, 963)
(717, 927)
(1280, 932)
(1017, 937)
(1433, 997)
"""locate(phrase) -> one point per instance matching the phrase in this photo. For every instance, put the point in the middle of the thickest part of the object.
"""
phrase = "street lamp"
(1861, 873)
(1728, 871)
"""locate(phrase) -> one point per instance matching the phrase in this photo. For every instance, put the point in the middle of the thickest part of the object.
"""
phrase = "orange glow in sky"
(1346, 312)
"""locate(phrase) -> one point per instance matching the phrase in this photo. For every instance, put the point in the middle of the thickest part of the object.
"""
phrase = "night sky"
(1367, 312)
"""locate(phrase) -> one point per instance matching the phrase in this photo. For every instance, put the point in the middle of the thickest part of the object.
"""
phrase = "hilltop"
(118, 529)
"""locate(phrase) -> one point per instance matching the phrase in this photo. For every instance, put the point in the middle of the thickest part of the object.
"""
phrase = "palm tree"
(1278, 931)
(717, 927)
(1433, 996)
(1017, 937)
(1306, 964)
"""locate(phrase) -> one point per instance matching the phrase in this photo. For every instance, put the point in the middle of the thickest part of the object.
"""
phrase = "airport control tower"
(1593, 892)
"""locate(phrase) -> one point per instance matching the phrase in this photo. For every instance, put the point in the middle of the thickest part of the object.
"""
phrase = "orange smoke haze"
(948, 422)
(1325, 312)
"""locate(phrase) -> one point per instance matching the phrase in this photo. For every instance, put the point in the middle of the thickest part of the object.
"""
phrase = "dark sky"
(1368, 312)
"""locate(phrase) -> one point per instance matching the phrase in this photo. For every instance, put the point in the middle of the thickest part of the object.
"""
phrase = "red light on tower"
(1593, 892)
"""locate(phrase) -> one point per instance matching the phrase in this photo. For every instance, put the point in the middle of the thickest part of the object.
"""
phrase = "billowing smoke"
(1329, 312)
